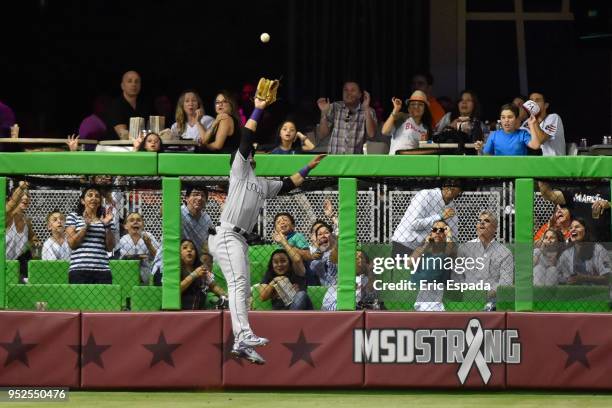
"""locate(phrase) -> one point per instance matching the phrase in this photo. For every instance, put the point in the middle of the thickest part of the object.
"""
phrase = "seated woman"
(150, 143)
(510, 140)
(432, 267)
(584, 262)
(291, 141)
(560, 220)
(20, 236)
(406, 130)
(325, 263)
(191, 121)
(90, 235)
(196, 278)
(464, 118)
(545, 258)
(224, 134)
(138, 244)
(284, 282)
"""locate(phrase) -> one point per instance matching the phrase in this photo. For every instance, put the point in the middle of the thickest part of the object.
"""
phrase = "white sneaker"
(249, 354)
(252, 340)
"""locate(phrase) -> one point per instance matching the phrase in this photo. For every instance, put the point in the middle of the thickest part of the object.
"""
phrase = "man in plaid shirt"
(347, 121)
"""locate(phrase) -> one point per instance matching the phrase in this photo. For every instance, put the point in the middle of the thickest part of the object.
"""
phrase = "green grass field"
(335, 399)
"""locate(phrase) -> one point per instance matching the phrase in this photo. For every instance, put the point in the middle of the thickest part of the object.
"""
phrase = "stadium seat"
(48, 272)
(257, 303)
(65, 297)
(466, 301)
(261, 253)
(316, 294)
(12, 272)
(146, 298)
(559, 298)
(258, 270)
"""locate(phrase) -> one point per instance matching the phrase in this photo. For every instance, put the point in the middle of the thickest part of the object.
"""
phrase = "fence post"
(347, 241)
(171, 232)
(523, 253)
(3, 288)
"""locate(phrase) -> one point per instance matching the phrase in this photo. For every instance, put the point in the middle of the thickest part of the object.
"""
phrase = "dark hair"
(160, 149)
(284, 214)
(586, 248)
(351, 81)
(510, 107)
(81, 207)
(297, 145)
(427, 75)
(523, 97)
(315, 223)
(475, 112)
(196, 262)
(427, 120)
(326, 225)
(190, 187)
(559, 246)
(365, 255)
(269, 275)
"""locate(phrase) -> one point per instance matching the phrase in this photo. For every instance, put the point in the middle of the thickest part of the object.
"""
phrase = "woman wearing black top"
(280, 268)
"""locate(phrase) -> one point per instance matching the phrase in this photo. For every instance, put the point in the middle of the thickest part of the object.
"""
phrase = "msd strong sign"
(473, 346)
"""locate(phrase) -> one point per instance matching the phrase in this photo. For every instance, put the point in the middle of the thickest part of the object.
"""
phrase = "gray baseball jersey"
(247, 194)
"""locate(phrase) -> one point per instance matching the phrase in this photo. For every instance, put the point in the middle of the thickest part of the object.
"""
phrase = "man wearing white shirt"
(426, 207)
(551, 127)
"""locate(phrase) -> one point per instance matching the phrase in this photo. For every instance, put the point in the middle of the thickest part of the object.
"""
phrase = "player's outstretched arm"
(247, 133)
(297, 179)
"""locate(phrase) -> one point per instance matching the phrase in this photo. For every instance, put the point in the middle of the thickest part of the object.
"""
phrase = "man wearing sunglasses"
(491, 262)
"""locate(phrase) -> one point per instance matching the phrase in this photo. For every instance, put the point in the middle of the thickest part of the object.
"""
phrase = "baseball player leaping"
(246, 196)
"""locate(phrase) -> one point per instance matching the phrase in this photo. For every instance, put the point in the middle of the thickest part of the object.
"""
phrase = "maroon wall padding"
(431, 374)
(562, 350)
(35, 349)
(136, 350)
(307, 349)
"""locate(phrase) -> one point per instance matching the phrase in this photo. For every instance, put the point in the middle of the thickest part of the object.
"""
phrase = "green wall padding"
(3, 281)
(65, 297)
(523, 250)
(171, 230)
(347, 242)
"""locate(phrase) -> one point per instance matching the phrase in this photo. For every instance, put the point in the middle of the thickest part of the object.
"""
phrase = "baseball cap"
(531, 108)
(418, 96)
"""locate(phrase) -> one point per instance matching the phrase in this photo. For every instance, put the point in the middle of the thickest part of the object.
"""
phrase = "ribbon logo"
(474, 337)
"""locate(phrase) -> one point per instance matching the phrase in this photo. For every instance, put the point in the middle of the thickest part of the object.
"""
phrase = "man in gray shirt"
(195, 222)
(245, 199)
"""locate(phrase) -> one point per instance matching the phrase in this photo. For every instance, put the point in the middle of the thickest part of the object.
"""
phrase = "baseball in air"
(264, 37)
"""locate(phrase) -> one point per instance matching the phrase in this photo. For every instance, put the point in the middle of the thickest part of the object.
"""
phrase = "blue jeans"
(301, 301)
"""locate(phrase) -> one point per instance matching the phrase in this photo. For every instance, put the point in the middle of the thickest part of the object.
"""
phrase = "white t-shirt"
(53, 251)
(191, 132)
(406, 136)
(552, 125)
(127, 248)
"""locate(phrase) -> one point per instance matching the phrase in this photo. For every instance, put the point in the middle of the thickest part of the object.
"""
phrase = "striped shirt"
(91, 253)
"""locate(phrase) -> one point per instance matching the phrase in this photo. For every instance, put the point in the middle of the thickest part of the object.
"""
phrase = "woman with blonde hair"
(191, 121)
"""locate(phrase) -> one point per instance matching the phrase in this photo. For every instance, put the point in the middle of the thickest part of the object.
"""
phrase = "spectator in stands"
(510, 140)
(150, 143)
(423, 81)
(560, 220)
(518, 102)
(284, 282)
(139, 245)
(429, 263)
(407, 129)
(90, 235)
(195, 222)
(223, 136)
(492, 261)
(326, 267)
(545, 258)
(56, 247)
(7, 120)
(21, 239)
(191, 121)
(347, 121)
(93, 126)
(425, 207)
(196, 278)
(128, 105)
(584, 262)
(366, 297)
(284, 224)
(291, 141)
(464, 118)
(550, 127)
(589, 201)
(113, 200)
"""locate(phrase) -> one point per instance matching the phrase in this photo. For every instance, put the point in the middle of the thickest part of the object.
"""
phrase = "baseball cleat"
(249, 354)
(252, 340)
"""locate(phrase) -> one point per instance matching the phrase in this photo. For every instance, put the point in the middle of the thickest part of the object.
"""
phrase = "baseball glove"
(266, 90)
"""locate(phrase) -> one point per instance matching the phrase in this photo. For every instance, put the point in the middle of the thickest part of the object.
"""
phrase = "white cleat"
(249, 354)
(252, 340)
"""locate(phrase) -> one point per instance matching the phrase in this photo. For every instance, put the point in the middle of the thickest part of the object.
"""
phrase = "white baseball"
(264, 37)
